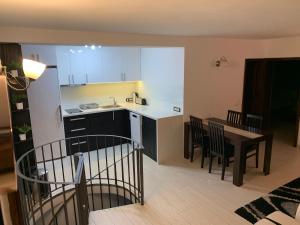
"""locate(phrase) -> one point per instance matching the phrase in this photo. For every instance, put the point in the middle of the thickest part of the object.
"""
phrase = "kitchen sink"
(109, 106)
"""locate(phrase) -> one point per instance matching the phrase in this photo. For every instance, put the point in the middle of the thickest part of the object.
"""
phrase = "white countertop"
(153, 112)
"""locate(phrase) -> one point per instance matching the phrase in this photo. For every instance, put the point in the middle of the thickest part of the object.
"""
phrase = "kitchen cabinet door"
(63, 65)
(43, 53)
(77, 66)
(92, 64)
(103, 124)
(122, 123)
(131, 63)
(149, 137)
(111, 64)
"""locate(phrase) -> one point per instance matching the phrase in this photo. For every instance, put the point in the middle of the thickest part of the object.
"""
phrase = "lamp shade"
(33, 69)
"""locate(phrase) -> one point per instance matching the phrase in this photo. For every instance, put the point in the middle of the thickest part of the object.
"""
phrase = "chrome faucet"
(114, 99)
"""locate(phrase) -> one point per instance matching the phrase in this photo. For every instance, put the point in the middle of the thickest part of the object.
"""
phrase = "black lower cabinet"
(149, 137)
(102, 123)
(121, 125)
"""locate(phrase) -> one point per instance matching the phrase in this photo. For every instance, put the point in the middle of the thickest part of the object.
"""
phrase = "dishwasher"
(136, 127)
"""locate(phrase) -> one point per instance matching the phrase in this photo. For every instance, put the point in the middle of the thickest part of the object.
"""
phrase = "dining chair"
(254, 123)
(218, 147)
(234, 117)
(199, 138)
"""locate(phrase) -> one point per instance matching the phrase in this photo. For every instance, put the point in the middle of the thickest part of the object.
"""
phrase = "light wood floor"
(181, 192)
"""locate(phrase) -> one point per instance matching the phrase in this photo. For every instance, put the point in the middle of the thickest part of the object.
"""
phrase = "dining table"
(239, 136)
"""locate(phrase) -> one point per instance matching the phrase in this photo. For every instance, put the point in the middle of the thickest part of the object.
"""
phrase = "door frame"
(276, 59)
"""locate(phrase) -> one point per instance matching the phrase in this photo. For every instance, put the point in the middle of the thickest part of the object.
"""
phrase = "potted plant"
(13, 67)
(23, 130)
(18, 101)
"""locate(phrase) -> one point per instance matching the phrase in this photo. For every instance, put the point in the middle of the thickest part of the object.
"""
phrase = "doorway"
(272, 89)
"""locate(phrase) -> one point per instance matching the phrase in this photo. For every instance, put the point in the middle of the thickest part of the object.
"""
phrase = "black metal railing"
(62, 181)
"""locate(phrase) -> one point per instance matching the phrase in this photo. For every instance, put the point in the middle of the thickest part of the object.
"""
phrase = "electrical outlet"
(176, 109)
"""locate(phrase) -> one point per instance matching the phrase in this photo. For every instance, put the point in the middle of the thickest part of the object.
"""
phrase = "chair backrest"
(234, 117)
(216, 138)
(254, 122)
(197, 130)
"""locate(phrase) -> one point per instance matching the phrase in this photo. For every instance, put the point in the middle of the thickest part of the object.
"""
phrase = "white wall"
(210, 90)
(162, 71)
(98, 93)
(283, 47)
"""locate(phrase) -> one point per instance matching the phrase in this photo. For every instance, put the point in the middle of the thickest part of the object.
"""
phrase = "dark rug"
(285, 199)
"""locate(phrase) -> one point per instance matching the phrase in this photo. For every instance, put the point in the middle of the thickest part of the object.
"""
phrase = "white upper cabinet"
(131, 63)
(77, 66)
(82, 65)
(111, 64)
(42, 53)
(120, 64)
(92, 65)
(63, 65)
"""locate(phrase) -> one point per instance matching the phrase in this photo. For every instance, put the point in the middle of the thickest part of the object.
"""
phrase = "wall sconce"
(220, 61)
(32, 70)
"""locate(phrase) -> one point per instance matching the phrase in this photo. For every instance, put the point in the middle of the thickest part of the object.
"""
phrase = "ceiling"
(230, 18)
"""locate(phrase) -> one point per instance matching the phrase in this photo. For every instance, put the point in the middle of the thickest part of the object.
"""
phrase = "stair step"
(125, 215)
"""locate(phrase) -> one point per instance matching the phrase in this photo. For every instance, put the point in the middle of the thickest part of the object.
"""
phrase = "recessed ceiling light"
(99, 46)
(86, 46)
(93, 47)
(72, 51)
(79, 51)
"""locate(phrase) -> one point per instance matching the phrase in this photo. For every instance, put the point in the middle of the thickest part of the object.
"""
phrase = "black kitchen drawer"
(81, 131)
(102, 123)
(76, 122)
(77, 145)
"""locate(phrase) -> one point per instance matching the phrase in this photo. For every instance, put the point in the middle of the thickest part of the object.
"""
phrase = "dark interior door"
(257, 88)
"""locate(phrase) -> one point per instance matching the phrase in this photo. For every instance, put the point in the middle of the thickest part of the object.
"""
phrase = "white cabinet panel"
(92, 59)
(63, 65)
(131, 63)
(43, 53)
(44, 102)
(120, 64)
(77, 66)
(111, 64)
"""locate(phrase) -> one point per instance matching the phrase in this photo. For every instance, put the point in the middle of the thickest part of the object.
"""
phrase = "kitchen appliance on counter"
(140, 101)
(136, 99)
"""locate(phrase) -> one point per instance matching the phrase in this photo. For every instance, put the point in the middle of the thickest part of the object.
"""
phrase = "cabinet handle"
(69, 78)
(79, 143)
(76, 119)
(113, 115)
(73, 79)
(79, 129)
(124, 74)
(86, 78)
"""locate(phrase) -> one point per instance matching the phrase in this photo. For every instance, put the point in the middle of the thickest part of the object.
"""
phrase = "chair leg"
(244, 166)
(224, 163)
(256, 156)
(203, 156)
(210, 162)
(192, 153)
